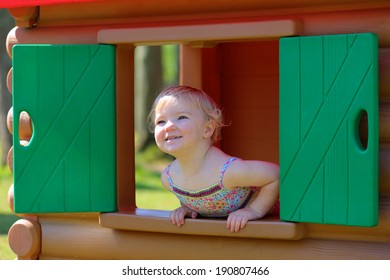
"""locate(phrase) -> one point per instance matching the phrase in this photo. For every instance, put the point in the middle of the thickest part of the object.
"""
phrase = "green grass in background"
(150, 194)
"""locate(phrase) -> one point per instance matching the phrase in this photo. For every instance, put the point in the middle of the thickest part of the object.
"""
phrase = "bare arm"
(248, 173)
(253, 173)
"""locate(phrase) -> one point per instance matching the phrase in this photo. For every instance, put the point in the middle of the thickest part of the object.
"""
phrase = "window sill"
(158, 221)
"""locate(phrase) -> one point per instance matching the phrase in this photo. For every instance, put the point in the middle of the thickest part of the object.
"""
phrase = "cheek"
(158, 135)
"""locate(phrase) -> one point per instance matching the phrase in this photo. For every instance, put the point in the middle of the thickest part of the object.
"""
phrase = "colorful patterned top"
(216, 200)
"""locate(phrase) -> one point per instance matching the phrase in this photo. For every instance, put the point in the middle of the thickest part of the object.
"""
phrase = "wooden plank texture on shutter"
(327, 83)
(70, 163)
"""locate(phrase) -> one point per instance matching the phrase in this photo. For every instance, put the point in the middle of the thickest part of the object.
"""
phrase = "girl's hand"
(177, 216)
(239, 218)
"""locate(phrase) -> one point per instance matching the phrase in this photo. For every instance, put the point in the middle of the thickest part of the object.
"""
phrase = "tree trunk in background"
(148, 83)
(6, 24)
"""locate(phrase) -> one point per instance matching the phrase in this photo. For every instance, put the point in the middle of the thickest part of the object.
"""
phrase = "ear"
(209, 129)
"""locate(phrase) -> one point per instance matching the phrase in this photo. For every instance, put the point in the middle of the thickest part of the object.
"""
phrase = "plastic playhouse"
(306, 84)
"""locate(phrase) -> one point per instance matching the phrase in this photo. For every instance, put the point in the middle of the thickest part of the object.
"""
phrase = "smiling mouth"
(172, 138)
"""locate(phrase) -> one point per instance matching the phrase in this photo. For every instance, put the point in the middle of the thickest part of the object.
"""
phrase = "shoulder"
(164, 181)
(216, 155)
(218, 161)
(164, 177)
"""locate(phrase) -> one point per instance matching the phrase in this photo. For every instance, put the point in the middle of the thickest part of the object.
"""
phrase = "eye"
(182, 117)
(160, 122)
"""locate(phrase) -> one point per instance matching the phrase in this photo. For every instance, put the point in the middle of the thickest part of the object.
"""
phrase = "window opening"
(156, 67)
(260, 81)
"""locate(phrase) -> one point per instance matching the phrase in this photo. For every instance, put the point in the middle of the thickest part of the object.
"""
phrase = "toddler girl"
(208, 182)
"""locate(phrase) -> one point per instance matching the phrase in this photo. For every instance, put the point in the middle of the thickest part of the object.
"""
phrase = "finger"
(240, 223)
(177, 217)
(232, 223)
(229, 221)
(194, 215)
(180, 217)
(174, 218)
(237, 225)
(243, 223)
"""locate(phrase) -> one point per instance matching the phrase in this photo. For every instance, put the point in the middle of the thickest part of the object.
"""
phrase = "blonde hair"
(200, 99)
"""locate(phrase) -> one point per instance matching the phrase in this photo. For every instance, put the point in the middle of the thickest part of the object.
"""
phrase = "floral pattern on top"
(216, 200)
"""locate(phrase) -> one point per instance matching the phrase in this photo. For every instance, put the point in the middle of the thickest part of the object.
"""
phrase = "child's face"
(179, 126)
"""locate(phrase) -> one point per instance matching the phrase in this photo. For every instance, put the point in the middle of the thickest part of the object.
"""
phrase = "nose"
(169, 125)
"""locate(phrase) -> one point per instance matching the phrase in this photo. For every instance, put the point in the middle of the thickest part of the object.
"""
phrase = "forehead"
(175, 103)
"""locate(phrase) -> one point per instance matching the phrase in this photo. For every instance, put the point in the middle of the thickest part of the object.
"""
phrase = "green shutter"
(326, 84)
(70, 162)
